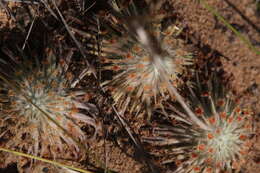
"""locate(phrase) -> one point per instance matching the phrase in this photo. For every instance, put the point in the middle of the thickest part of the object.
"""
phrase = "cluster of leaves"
(39, 106)
(224, 147)
(146, 60)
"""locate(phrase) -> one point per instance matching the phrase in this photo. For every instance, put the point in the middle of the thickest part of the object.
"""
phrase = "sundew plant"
(146, 60)
(31, 89)
(195, 126)
(223, 147)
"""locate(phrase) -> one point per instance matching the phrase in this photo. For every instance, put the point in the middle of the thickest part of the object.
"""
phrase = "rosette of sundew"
(222, 147)
(42, 110)
(146, 60)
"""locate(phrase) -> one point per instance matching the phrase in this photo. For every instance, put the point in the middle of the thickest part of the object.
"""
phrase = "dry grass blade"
(229, 26)
(44, 160)
(78, 44)
(23, 1)
(192, 116)
(137, 143)
(29, 32)
(254, 26)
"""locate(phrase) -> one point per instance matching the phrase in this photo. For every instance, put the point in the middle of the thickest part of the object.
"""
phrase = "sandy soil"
(242, 62)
